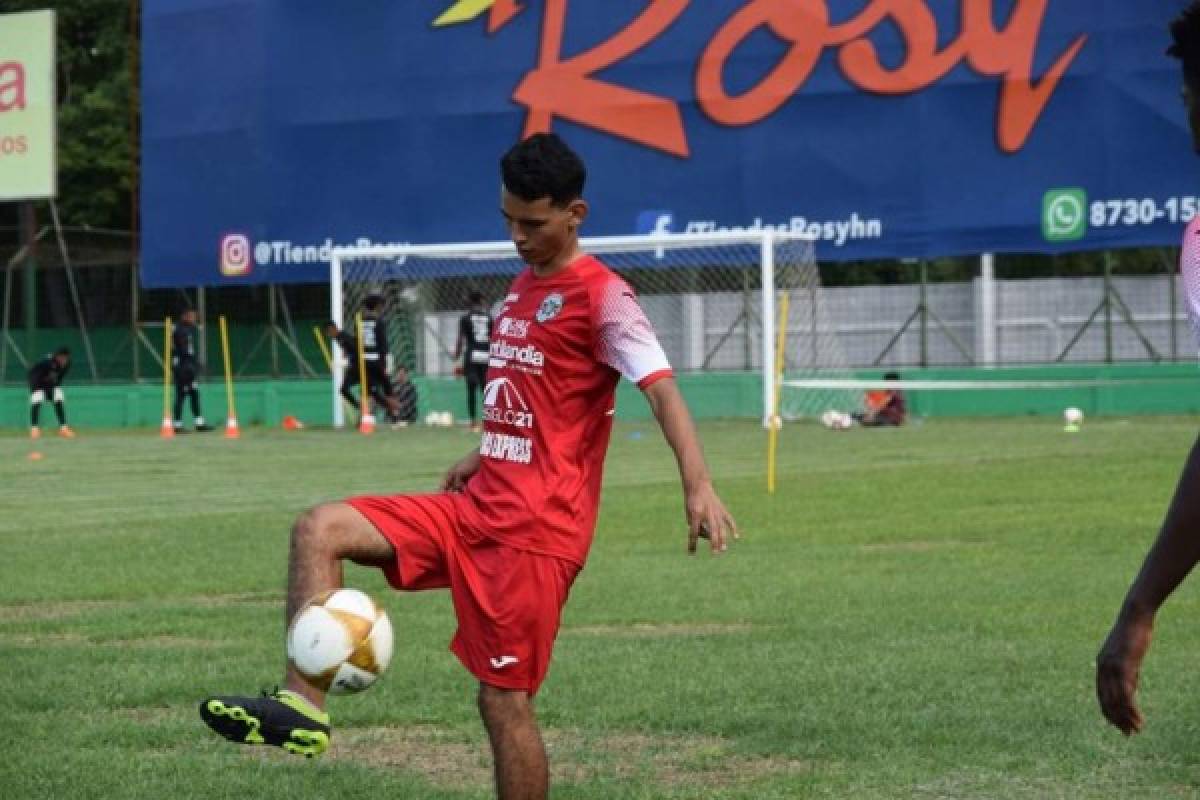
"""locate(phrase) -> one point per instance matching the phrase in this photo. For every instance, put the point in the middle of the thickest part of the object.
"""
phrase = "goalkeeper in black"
(185, 368)
(474, 336)
(45, 382)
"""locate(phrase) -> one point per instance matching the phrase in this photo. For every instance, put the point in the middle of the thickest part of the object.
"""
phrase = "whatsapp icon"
(1064, 215)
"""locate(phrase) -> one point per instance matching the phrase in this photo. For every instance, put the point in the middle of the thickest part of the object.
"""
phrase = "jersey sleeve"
(625, 340)
(1189, 269)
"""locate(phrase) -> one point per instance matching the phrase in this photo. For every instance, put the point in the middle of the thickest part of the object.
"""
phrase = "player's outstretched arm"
(1172, 557)
(457, 476)
(706, 514)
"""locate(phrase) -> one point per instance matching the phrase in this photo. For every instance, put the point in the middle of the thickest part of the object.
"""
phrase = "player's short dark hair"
(374, 302)
(63, 351)
(1185, 43)
(475, 297)
(891, 376)
(543, 166)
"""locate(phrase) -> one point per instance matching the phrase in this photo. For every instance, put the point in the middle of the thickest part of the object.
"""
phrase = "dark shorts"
(476, 374)
(508, 602)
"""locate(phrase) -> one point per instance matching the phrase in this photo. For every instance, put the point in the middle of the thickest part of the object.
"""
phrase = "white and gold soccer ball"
(340, 642)
(837, 420)
(1073, 417)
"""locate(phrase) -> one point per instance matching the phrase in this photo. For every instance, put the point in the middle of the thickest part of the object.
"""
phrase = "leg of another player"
(321, 538)
(517, 749)
(472, 410)
(35, 412)
(180, 391)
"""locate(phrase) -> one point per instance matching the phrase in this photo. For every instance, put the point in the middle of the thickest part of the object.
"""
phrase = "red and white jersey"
(559, 345)
(1189, 268)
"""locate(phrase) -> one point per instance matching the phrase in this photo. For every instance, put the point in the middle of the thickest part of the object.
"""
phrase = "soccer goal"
(713, 299)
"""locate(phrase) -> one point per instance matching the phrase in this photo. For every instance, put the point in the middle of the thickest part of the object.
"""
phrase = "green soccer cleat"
(280, 718)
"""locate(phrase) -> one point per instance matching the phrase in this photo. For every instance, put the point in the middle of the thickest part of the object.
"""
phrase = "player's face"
(63, 359)
(1192, 103)
(543, 233)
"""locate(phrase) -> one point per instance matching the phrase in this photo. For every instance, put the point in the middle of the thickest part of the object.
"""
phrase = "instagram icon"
(235, 254)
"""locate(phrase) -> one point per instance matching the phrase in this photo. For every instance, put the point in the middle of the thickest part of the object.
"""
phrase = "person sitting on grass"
(883, 407)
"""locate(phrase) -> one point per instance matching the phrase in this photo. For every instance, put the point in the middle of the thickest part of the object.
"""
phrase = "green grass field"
(914, 614)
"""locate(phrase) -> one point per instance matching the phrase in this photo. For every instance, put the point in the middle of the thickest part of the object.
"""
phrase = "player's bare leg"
(294, 718)
(321, 538)
(517, 749)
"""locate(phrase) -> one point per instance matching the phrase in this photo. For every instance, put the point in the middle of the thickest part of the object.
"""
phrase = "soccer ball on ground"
(837, 420)
(340, 642)
(1073, 418)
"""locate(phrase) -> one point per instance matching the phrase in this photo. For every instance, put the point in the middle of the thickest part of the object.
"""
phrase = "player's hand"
(708, 519)
(1117, 668)
(457, 476)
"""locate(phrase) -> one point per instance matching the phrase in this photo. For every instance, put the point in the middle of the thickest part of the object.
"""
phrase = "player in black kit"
(474, 333)
(45, 382)
(185, 368)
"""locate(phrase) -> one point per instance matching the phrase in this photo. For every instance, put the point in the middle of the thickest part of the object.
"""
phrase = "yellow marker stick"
(231, 413)
(324, 348)
(167, 369)
(363, 394)
(773, 419)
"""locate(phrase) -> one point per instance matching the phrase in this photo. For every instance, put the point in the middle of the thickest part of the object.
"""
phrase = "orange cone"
(290, 423)
(367, 424)
(167, 431)
(231, 429)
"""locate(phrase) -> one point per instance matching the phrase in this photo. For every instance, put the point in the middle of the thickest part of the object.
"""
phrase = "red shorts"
(508, 602)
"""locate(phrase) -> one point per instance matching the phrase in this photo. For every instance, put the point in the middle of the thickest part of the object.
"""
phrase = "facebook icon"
(654, 222)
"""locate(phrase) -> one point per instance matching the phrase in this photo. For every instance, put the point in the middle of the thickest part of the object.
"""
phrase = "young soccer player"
(514, 523)
(375, 353)
(45, 382)
(184, 369)
(1177, 548)
(474, 334)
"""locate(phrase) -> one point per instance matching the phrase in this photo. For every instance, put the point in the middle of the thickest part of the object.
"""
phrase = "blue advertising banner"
(273, 131)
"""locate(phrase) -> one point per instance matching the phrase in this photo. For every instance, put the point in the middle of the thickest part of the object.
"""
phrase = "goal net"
(712, 299)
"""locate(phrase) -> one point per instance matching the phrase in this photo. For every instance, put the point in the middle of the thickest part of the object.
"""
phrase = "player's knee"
(37, 397)
(316, 529)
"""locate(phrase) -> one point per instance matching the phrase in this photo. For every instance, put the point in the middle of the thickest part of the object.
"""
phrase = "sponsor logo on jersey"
(503, 404)
(503, 447)
(509, 299)
(550, 307)
(502, 354)
(515, 328)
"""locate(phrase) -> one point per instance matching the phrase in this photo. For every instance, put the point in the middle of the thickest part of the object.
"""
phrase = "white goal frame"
(766, 239)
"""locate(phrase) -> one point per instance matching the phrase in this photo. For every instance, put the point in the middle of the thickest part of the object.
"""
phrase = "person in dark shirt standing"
(185, 368)
(474, 334)
(45, 381)
(348, 344)
(375, 353)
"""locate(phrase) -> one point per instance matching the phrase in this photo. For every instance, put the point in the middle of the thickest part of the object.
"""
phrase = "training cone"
(231, 429)
(167, 431)
(290, 423)
(366, 424)
(36, 456)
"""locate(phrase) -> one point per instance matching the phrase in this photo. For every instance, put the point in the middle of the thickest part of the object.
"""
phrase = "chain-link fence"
(80, 289)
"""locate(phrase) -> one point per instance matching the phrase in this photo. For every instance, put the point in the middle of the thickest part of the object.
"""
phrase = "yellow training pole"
(168, 428)
(231, 423)
(324, 348)
(774, 422)
(366, 422)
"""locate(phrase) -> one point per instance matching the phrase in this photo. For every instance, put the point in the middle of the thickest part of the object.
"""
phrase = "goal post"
(711, 297)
